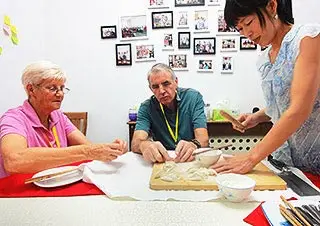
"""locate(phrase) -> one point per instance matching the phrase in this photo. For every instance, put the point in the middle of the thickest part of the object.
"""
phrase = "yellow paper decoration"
(0, 50)
(7, 20)
(13, 29)
(14, 39)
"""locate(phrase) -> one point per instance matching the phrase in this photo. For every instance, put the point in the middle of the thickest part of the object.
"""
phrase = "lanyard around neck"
(174, 136)
(56, 137)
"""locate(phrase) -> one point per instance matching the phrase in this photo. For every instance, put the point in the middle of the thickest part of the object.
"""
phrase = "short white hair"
(160, 67)
(37, 72)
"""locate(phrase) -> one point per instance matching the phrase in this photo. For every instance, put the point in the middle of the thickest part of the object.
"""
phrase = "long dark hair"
(234, 9)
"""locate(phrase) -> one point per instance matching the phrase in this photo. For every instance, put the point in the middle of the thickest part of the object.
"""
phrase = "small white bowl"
(235, 187)
(208, 158)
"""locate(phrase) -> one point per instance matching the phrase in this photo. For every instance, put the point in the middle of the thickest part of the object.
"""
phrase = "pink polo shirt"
(24, 121)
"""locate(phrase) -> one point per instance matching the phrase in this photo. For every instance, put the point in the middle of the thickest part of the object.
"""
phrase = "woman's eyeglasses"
(55, 89)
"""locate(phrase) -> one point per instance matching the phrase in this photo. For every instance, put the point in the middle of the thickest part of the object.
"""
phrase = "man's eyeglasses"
(55, 89)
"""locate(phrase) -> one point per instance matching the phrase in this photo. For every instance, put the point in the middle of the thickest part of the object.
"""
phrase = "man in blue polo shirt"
(172, 119)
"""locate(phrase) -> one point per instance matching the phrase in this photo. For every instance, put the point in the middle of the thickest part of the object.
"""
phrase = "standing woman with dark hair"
(290, 73)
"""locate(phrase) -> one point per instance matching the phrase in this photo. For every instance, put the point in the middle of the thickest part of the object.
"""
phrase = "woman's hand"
(123, 145)
(247, 120)
(105, 152)
(241, 163)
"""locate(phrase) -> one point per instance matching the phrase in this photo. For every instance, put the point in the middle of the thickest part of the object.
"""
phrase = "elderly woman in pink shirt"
(38, 136)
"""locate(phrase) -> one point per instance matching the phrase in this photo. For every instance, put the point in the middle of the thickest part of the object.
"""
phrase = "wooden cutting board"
(264, 177)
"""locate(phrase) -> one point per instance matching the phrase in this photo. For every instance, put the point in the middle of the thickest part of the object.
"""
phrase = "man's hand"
(154, 151)
(184, 151)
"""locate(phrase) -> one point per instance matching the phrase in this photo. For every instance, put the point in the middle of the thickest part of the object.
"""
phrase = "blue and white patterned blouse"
(302, 149)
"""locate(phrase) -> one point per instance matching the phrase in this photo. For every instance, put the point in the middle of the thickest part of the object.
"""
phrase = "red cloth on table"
(13, 186)
(257, 218)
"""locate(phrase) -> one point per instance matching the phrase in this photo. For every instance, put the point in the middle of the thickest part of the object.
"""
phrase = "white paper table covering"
(128, 177)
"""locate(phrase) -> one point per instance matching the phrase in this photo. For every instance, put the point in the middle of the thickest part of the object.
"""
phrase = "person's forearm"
(136, 143)
(279, 133)
(33, 160)
(204, 141)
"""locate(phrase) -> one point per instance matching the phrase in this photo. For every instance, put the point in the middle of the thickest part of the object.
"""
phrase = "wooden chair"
(79, 119)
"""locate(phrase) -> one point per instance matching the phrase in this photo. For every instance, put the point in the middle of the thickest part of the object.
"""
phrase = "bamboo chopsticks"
(231, 119)
(48, 176)
(211, 149)
(294, 220)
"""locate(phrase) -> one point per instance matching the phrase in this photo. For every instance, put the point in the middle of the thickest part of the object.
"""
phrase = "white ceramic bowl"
(235, 187)
(208, 158)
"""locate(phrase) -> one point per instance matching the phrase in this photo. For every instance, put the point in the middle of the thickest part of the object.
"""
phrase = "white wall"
(68, 33)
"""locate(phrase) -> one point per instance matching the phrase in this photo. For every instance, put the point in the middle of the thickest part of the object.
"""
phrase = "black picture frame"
(159, 23)
(108, 32)
(204, 46)
(123, 54)
(247, 44)
(197, 3)
(184, 39)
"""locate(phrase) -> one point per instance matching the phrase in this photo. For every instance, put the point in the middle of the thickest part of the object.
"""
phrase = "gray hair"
(160, 67)
(37, 72)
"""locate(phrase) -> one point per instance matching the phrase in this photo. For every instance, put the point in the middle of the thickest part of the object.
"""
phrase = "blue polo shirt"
(191, 116)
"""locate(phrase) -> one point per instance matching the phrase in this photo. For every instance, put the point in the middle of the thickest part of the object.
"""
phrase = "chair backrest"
(79, 119)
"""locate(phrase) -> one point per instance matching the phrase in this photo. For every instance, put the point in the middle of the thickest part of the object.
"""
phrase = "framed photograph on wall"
(227, 65)
(204, 45)
(188, 3)
(123, 54)
(205, 65)
(144, 52)
(133, 27)
(178, 62)
(182, 19)
(213, 2)
(162, 19)
(108, 32)
(157, 4)
(247, 44)
(223, 29)
(228, 44)
(168, 41)
(201, 21)
(184, 40)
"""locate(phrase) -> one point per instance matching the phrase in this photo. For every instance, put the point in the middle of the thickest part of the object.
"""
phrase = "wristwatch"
(196, 142)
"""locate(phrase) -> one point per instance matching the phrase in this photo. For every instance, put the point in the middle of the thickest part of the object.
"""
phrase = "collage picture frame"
(227, 64)
(228, 44)
(158, 4)
(182, 19)
(247, 44)
(168, 41)
(144, 52)
(123, 54)
(204, 46)
(178, 61)
(205, 65)
(108, 32)
(223, 29)
(179, 3)
(184, 40)
(133, 27)
(162, 19)
(201, 21)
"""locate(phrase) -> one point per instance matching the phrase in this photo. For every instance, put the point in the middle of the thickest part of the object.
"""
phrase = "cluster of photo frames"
(135, 28)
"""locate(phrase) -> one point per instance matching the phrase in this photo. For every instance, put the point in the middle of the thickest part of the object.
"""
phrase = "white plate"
(57, 181)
